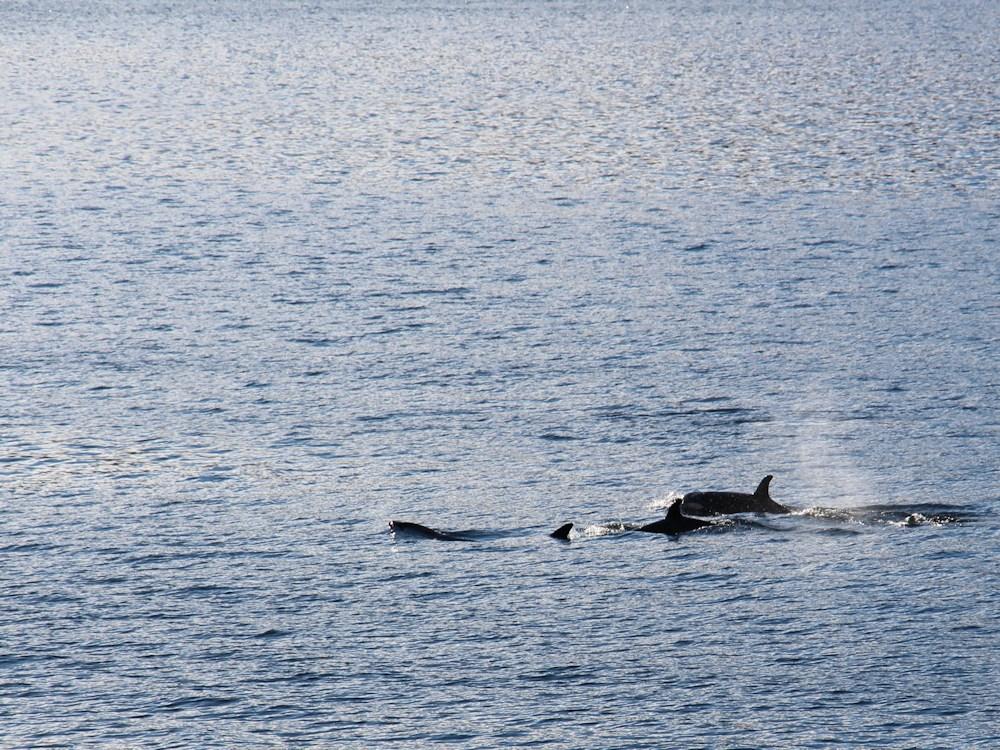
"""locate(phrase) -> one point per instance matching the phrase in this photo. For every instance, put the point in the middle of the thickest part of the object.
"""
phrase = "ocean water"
(275, 273)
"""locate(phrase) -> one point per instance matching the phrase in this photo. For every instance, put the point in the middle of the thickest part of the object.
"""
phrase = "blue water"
(275, 273)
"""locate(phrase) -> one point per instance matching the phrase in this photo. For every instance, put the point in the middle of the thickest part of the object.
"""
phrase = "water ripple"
(273, 275)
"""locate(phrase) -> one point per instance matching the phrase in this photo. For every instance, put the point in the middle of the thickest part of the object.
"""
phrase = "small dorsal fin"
(674, 511)
(562, 532)
(762, 488)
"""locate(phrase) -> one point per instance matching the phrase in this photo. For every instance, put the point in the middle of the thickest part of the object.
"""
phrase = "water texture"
(274, 273)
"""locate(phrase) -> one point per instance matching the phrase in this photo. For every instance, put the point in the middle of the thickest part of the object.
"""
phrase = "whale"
(722, 503)
(407, 528)
(419, 531)
(674, 523)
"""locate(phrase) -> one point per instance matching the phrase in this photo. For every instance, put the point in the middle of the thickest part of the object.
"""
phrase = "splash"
(825, 471)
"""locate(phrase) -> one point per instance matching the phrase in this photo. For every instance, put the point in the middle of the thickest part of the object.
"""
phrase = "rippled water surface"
(274, 273)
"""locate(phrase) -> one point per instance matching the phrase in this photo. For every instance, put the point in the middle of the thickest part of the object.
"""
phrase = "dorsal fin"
(674, 511)
(562, 532)
(762, 488)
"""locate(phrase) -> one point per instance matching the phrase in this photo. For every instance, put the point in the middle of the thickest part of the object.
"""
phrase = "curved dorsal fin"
(762, 488)
(562, 532)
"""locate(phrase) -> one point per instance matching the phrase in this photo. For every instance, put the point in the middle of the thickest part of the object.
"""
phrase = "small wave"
(27, 547)
(183, 704)
(456, 291)
(604, 529)
(556, 437)
(662, 503)
(895, 515)
(836, 531)
(20, 660)
(565, 673)
(210, 478)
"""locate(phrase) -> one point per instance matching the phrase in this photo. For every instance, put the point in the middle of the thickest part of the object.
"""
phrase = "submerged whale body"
(674, 523)
(721, 503)
(419, 531)
(407, 528)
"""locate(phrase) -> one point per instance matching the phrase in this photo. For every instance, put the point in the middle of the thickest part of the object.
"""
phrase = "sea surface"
(274, 273)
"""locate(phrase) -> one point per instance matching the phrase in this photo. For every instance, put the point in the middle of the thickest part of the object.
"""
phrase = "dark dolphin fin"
(763, 490)
(675, 522)
(562, 532)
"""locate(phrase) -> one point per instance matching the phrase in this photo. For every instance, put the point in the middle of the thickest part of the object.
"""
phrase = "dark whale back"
(720, 503)
(407, 528)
